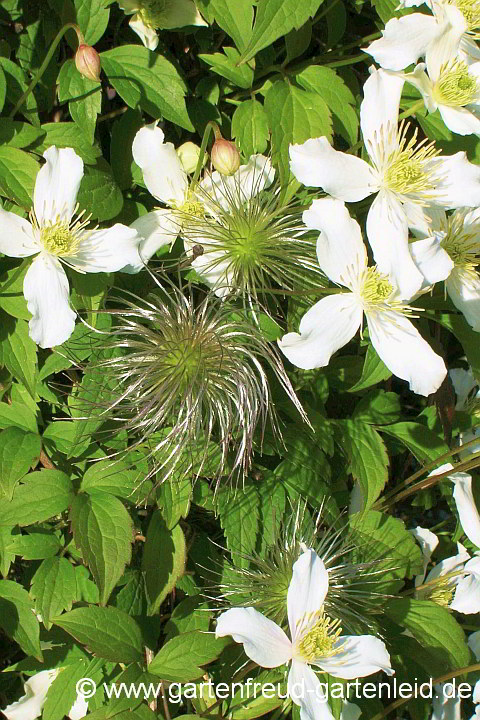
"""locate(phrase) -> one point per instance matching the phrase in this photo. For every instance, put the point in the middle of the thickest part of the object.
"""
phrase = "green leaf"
(297, 41)
(108, 632)
(240, 520)
(422, 442)
(19, 134)
(181, 658)
(17, 83)
(378, 408)
(294, 115)
(92, 16)
(18, 415)
(250, 127)
(62, 692)
(117, 478)
(465, 335)
(305, 473)
(227, 66)
(17, 618)
(68, 134)
(19, 352)
(3, 90)
(163, 560)
(275, 18)
(11, 291)
(54, 588)
(6, 557)
(84, 96)
(35, 546)
(367, 457)
(18, 171)
(374, 371)
(235, 18)
(328, 85)
(103, 531)
(435, 629)
(144, 78)
(99, 194)
(124, 168)
(19, 451)
(43, 494)
(173, 499)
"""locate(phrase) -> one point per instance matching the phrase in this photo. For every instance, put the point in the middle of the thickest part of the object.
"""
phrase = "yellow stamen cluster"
(470, 10)
(461, 245)
(455, 86)
(406, 172)
(441, 595)
(62, 238)
(320, 640)
(376, 287)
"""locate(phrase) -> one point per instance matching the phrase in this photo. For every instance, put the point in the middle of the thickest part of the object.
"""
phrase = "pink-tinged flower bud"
(225, 157)
(87, 61)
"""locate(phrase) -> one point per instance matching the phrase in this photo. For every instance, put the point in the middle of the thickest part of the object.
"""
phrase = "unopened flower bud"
(189, 154)
(87, 61)
(225, 157)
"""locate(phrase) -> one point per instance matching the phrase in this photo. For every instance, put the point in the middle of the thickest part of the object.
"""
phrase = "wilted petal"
(30, 705)
(404, 40)
(467, 593)
(263, 640)
(466, 506)
(306, 592)
(357, 656)
(147, 35)
(340, 248)
(428, 541)
(404, 351)
(463, 382)
(57, 184)
(305, 690)
(324, 329)
(162, 170)
(16, 236)
(315, 163)
(445, 707)
(47, 294)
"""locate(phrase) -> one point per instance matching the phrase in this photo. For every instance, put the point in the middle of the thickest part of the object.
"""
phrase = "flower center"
(470, 10)
(405, 171)
(320, 640)
(153, 12)
(376, 288)
(455, 86)
(62, 238)
(462, 246)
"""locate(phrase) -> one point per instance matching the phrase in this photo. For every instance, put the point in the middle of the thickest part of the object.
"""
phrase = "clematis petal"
(387, 233)
(181, 14)
(350, 711)
(459, 182)
(405, 352)
(315, 163)
(30, 705)
(464, 289)
(147, 35)
(428, 541)
(467, 593)
(444, 706)
(324, 329)
(56, 185)
(469, 50)
(16, 236)
(214, 269)
(47, 294)
(306, 592)
(162, 170)
(450, 566)
(460, 120)
(431, 259)
(404, 40)
(379, 110)
(305, 690)
(357, 656)
(79, 708)
(474, 645)
(157, 229)
(107, 250)
(445, 44)
(340, 248)
(466, 506)
(247, 182)
(463, 382)
(263, 640)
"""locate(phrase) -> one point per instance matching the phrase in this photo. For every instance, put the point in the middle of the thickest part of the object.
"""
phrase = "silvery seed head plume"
(192, 383)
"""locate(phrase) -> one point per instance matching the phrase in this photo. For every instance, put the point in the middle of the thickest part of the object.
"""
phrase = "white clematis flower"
(405, 175)
(30, 705)
(406, 39)
(153, 15)
(444, 706)
(456, 246)
(315, 640)
(55, 237)
(334, 320)
(453, 582)
(167, 181)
